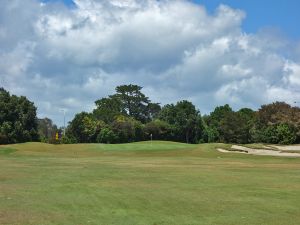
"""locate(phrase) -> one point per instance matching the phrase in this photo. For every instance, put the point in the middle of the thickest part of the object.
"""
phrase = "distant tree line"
(129, 115)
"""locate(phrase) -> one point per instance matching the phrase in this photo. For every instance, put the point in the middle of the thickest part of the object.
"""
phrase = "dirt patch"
(251, 151)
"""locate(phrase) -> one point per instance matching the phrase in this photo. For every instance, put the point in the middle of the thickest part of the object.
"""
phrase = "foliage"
(18, 121)
(107, 109)
(160, 130)
(84, 128)
(127, 101)
(129, 115)
(106, 135)
(185, 119)
(127, 129)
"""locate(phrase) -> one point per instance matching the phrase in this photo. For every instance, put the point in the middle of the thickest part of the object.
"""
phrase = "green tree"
(214, 122)
(18, 121)
(160, 130)
(84, 128)
(106, 135)
(273, 120)
(108, 108)
(285, 134)
(185, 119)
(135, 104)
(127, 129)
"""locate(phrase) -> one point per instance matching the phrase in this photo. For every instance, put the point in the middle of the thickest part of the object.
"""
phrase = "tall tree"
(18, 121)
(135, 104)
(85, 128)
(108, 108)
(185, 119)
(277, 123)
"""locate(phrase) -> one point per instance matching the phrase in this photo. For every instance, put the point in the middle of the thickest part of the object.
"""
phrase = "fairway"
(145, 183)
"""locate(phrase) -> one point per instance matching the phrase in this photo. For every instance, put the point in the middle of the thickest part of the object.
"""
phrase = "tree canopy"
(129, 115)
(18, 121)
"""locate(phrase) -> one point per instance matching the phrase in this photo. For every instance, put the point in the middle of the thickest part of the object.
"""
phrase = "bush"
(285, 134)
(106, 135)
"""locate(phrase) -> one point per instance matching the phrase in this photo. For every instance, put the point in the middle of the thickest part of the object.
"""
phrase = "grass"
(163, 183)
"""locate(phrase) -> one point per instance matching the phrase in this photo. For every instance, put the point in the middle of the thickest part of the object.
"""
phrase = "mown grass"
(144, 183)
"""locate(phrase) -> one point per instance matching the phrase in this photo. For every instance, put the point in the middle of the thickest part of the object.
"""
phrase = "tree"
(275, 122)
(18, 121)
(160, 130)
(106, 135)
(135, 104)
(285, 134)
(127, 129)
(233, 128)
(186, 120)
(84, 128)
(215, 126)
(107, 109)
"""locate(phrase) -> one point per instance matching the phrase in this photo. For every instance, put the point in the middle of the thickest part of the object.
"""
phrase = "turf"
(144, 183)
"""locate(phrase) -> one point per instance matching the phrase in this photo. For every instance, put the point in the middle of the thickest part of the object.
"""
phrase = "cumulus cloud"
(64, 57)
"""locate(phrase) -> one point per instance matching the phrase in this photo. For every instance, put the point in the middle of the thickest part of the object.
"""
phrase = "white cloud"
(68, 57)
(292, 74)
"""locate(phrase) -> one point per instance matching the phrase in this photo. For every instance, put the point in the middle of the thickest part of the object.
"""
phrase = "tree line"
(129, 116)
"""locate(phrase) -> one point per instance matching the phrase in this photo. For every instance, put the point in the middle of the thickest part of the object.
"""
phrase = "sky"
(67, 54)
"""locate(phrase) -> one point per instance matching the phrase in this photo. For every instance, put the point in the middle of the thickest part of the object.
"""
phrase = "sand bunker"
(251, 151)
(287, 147)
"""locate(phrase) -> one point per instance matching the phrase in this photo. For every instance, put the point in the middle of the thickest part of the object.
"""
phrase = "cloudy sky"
(66, 54)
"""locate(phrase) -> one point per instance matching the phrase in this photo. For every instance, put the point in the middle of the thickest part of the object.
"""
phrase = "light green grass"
(144, 184)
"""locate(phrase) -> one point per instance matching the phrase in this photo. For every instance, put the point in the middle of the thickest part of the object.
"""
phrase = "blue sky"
(282, 14)
(244, 53)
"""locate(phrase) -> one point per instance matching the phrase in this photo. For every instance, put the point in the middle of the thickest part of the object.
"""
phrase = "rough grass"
(140, 183)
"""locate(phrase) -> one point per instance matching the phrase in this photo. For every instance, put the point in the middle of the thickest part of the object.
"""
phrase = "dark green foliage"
(225, 125)
(18, 121)
(160, 130)
(185, 120)
(277, 134)
(286, 134)
(107, 136)
(134, 102)
(129, 116)
(108, 108)
(210, 135)
(127, 129)
(84, 128)
(128, 101)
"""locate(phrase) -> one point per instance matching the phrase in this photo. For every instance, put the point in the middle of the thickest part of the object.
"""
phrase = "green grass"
(6, 151)
(144, 184)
